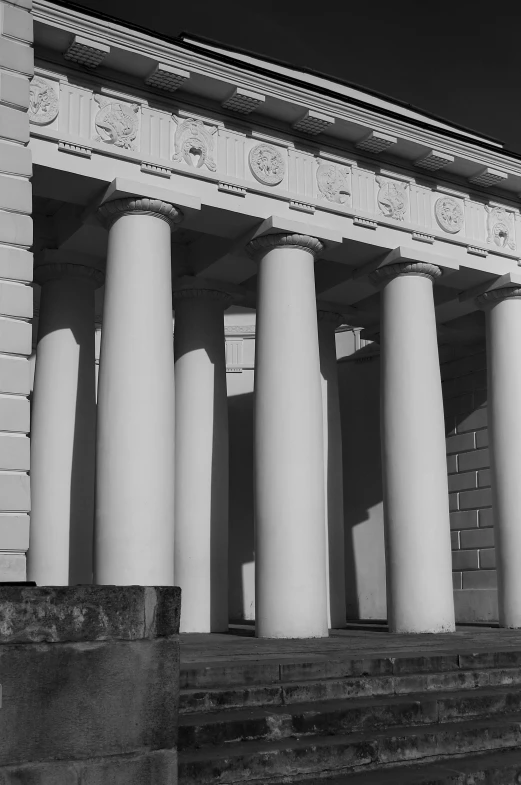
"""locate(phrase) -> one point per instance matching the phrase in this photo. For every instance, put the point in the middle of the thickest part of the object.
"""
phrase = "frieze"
(117, 123)
(194, 144)
(500, 227)
(43, 102)
(449, 214)
(392, 198)
(267, 164)
(332, 183)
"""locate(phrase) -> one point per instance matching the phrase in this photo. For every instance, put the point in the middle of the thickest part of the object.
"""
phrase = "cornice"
(342, 108)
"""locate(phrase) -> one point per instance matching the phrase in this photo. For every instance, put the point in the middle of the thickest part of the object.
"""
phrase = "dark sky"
(458, 60)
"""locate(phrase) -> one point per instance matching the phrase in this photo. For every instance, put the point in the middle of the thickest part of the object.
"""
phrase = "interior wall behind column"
(359, 383)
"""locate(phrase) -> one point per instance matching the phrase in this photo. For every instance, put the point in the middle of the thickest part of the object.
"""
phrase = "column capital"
(109, 212)
(51, 271)
(496, 295)
(187, 287)
(389, 271)
(261, 245)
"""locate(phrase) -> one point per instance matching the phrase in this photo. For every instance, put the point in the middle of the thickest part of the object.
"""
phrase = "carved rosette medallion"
(500, 227)
(392, 198)
(193, 144)
(43, 102)
(332, 183)
(267, 164)
(117, 123)
(449, 214)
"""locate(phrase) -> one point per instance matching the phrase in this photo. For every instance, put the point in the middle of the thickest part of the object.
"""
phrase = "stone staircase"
(448, 718)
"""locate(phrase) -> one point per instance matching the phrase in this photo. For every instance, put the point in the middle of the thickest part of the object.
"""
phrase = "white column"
(134, 524)
(328, 320)
(503, 315)
(290, 554)
(416, 512)
(63, 427)
(201, 432)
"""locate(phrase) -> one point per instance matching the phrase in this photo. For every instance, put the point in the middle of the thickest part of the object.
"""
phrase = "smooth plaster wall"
(16, 300)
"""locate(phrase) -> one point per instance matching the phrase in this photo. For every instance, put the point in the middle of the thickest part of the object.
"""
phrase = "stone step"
(219, 673)
(283, 693)
(341, 716)
(298, 760)
(497, 768)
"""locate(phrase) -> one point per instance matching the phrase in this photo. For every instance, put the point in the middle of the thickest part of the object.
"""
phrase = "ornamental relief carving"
(449, 214)
(392, 198)
(267, 164)
(500, 227)
(332, 183)
(117, 123)
(193, 144)
(43, 102)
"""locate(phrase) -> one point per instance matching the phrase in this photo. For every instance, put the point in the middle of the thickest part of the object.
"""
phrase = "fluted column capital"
(51, 271)
(390, 271)
(496, 295)
(109, 212)
(267, 242)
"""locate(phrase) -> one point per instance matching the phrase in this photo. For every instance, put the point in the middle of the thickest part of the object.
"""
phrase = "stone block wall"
(16, 301)
(90, 685)
(464, 379)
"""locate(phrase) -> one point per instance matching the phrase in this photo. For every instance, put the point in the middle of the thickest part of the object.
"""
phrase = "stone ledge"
(59, 614)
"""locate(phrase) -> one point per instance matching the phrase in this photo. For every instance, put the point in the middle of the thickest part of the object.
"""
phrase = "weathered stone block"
(14, 532)
(477, 538)
(477, 459)
(460, 443)
(16, 264)
(481, 579)
(14, 90)
(470, 500)
(14, 414)
(16, 23)
(15, 336)
(16, 56)
(464, 520)
(463, 482)
(16, 299)
(473, 421)
(465, 560)
(15, 194)
(15, 229)
(15, 374)
(14, 453)
(15, 494)
(14, 124)
(12, 567)
(87, 613)
(15, 159)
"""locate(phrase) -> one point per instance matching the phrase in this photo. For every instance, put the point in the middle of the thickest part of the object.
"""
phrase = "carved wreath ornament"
(332, 183)
(500, 227)
(194, 144)
(267, 164)
(392, 198)
(43, 102)
(117, 123)
(449, 214)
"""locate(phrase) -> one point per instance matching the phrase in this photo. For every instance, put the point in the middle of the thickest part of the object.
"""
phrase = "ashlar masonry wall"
(464, 378)
(16, 297)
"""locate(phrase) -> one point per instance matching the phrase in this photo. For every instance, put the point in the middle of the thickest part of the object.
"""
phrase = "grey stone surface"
(55, 614)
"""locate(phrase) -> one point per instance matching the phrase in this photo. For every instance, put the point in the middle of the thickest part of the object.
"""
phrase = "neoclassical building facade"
(273, 357)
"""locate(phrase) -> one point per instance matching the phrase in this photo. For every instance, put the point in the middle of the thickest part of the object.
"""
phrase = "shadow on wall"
(241, 533)
(359, 388)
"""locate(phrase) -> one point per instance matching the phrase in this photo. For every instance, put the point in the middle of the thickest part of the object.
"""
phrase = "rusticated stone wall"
(464, 375)
(90, 685)
(16, 297)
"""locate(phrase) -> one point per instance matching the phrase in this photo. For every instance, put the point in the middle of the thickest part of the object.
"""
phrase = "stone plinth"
(90, 685)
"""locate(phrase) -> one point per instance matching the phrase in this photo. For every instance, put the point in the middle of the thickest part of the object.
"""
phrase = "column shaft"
(63, 428)
(504, 394)
(290, 554)
(333, 472)
(201, 428)
(134, 530)
(417, 529)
